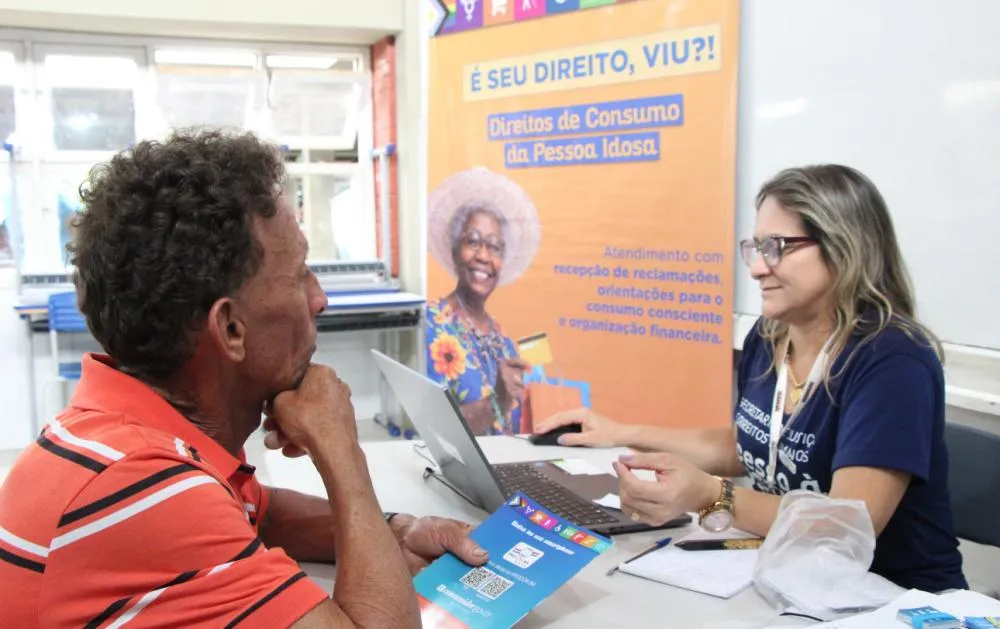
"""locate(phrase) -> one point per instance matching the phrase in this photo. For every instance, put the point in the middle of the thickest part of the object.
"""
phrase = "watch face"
(717, 521)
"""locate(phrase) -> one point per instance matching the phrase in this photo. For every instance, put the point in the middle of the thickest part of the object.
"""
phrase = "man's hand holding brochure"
(532, 553)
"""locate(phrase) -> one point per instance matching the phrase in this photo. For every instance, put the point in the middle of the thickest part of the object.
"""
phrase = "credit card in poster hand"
(535, 349)
(532, 554)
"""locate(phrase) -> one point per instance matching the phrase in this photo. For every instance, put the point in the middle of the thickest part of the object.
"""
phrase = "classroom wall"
(411, 144)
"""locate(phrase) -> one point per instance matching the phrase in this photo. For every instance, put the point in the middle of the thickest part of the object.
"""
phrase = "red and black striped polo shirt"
(124, 512)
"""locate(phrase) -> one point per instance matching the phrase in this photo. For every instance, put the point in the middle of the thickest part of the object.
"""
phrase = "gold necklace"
(795, 395)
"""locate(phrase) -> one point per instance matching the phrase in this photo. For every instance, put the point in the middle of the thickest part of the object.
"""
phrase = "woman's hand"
(596, 431)
(679, 487)
(510, 383)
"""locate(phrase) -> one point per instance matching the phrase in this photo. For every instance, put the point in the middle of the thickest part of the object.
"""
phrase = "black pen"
(656, 546)
(720, 544)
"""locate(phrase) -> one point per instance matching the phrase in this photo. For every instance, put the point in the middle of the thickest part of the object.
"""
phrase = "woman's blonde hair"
(847, 216)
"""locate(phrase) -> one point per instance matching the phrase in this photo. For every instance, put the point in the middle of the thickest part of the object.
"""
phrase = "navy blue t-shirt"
(886, 410)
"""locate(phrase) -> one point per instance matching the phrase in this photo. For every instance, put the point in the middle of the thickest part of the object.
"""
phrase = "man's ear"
(227, 329)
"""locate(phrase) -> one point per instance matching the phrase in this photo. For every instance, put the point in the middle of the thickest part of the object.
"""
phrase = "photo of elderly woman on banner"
(484, 230)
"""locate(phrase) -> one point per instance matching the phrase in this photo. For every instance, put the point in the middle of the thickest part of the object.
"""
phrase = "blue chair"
(64, 318)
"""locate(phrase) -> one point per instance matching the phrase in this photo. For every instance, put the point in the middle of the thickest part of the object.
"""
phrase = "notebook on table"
(721, 573)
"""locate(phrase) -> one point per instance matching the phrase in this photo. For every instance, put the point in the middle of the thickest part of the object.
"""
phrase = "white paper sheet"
(968, 603)
(722, 573)
(578, 467)
(960, 603)
(611, 501)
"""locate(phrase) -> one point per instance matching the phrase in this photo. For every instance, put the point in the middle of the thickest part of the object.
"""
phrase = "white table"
(591, 599)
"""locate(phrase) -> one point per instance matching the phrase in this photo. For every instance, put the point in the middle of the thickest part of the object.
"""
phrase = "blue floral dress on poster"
(468, 361)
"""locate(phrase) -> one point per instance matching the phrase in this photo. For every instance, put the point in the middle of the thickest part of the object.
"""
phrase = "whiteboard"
(908, 92)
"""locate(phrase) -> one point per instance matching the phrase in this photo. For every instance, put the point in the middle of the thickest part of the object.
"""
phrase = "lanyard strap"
(778, 426)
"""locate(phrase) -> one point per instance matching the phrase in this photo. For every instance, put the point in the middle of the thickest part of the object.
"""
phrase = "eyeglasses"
(772, 248)
(475, 241)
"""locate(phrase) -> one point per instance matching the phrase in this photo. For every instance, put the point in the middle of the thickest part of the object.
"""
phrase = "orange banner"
(581, 208)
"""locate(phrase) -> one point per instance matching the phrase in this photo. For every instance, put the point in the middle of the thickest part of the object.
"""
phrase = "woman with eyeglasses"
(840, 359)
(484, 231)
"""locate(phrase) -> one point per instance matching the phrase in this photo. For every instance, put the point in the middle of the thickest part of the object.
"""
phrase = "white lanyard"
(778, 427)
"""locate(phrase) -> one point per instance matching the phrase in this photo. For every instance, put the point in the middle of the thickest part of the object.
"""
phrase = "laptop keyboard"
(526, 478)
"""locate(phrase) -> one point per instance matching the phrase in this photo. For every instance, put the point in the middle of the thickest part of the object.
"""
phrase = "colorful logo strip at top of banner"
(550, 522)
(456, 16)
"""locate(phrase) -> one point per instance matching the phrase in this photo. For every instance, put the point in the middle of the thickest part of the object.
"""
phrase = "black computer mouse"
(551, 438)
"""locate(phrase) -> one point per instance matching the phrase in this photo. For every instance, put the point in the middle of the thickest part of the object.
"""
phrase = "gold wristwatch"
(718, 516)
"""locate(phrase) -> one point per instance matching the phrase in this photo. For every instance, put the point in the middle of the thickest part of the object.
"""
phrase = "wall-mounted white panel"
(908, 92)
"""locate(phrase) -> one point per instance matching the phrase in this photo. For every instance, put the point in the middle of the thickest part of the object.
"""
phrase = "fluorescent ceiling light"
(206, 58)
(305, 62)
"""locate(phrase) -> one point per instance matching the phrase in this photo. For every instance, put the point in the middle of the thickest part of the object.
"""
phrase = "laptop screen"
(438, 418)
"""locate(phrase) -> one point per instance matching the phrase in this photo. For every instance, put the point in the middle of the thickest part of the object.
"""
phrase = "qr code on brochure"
(476, 577)
(496, 586)
(486, 582)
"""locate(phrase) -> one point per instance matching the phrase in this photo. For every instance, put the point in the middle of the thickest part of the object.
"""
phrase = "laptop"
(438, 418)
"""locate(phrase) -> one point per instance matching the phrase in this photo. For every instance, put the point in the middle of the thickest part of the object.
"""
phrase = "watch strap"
(724, 502)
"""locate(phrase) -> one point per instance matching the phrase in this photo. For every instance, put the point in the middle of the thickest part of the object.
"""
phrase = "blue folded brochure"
(532, 553)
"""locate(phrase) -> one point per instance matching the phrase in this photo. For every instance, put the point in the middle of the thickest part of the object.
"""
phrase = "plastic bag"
(816, 556)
